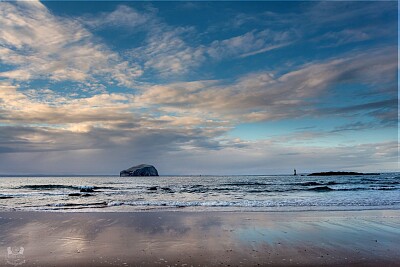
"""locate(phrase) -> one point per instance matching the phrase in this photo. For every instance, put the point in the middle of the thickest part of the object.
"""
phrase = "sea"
(200, 193)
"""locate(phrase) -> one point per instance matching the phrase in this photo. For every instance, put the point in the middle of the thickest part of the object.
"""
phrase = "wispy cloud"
(37, 44)
(167, 51)
(122, 16)
(250, 43)
(313, 18)
(171, 50)
(265, 96)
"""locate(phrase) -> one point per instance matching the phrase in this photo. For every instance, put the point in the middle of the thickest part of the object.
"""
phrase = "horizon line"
(117, 175)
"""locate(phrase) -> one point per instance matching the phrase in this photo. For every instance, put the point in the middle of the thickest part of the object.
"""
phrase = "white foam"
(86, 187)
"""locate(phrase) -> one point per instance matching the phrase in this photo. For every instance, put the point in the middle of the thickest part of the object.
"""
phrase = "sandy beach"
(345, 238)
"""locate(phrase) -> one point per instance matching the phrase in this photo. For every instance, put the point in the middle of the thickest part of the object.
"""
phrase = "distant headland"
(332, 173)
(140, 170)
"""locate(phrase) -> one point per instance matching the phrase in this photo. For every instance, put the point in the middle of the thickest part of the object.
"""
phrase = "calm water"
(200, 193)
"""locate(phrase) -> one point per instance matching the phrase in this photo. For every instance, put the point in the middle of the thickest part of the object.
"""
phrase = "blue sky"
(198, 87)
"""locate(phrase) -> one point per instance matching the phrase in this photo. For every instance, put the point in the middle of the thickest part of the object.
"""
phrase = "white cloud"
(250, 43)
(167, 51)
(44, 120)
(173, 50)
(38, 44)
(265, 96)
(121, 16)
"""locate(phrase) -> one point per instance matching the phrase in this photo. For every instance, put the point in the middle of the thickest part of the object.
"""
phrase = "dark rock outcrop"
(140, 170)
(339, 173)
(79, 195)
(86, 189)
(74, 195)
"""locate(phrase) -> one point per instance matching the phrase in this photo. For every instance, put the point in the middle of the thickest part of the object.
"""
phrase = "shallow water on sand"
(201, 193)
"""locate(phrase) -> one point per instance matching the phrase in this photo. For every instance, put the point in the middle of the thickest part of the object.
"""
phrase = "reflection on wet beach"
(203, 238)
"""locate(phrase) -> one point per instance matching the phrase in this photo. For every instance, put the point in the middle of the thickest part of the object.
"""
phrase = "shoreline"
(199, 209)
(184, 238)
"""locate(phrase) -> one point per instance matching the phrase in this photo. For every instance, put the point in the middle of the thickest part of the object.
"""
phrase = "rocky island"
(331, 173)
(140, 170)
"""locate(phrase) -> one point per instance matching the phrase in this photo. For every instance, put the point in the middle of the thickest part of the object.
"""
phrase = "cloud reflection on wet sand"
(203, 238)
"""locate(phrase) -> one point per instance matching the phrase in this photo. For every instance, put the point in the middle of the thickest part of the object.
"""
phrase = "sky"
(198, 87)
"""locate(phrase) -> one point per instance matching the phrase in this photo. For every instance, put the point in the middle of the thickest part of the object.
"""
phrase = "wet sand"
(348, 238)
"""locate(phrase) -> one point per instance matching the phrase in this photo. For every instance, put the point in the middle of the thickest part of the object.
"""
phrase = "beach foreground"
(162, 238)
